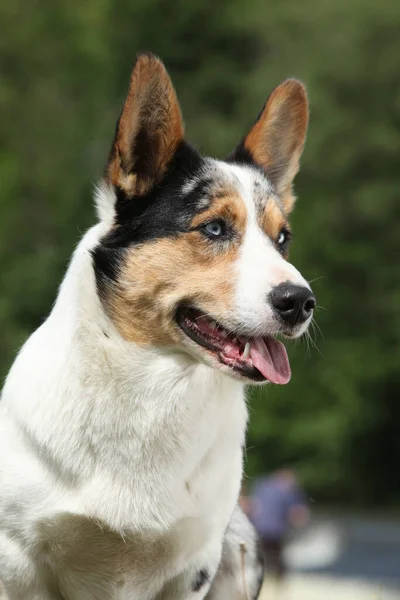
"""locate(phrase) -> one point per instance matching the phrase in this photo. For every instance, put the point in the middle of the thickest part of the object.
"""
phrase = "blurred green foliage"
(64, 69)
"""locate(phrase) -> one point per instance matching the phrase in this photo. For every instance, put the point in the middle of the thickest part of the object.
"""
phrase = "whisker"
(314, 330)
(307, 341)
(315, 346)
(318, 328)
(318, 306)
(311, 341)
(204, 315)
(318, 278)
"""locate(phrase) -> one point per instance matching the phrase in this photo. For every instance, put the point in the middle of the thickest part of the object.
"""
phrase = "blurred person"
(277, 504)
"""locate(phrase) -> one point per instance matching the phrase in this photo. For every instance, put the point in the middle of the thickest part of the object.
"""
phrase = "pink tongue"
(270, 357)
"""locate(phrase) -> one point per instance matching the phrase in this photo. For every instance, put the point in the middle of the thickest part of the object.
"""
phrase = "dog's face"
(196, 254)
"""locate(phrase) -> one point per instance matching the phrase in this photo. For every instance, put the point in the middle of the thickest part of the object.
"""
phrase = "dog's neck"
(97, 403)
(80, 318)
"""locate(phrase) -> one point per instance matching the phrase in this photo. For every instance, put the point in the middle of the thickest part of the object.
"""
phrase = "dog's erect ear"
(149, 130)
(276, 140)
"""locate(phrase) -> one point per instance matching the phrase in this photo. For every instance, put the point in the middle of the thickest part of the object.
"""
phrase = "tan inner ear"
(149, 130)
(277, 139)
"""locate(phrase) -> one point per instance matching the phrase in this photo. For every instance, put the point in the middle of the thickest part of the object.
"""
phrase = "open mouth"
(258, 358)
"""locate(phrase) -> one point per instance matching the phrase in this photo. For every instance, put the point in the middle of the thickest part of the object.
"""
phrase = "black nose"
(294, 303)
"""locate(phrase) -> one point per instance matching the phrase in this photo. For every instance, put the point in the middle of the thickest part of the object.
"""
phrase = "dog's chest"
(90, 560)
(176, 457)
(87, 556)
(170, 500)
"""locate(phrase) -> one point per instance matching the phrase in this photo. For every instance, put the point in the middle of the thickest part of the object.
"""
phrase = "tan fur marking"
(272, 219)
(228, 206)
(288, 199)
(151, 108)
(159, 275)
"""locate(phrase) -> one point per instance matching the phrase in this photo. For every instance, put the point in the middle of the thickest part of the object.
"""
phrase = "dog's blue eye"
(282, 237)
(214, 228)
(283, 240)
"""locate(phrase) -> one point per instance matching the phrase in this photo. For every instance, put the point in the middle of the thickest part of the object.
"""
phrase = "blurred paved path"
(349, 546)
(342, 558)
(311, 587)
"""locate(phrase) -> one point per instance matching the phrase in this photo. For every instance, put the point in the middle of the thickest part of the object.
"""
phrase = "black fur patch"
(242, 156)
(202, 577)
(165, 211)
(145, 151)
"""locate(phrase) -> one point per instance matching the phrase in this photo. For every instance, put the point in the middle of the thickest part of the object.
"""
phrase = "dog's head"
(196, 255)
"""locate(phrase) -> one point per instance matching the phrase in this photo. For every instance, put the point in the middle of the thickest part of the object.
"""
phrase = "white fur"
(241, 567)
(144, 441)
(260, 266)
(104, 197)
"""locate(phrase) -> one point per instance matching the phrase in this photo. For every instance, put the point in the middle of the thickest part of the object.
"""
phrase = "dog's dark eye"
(215, 228)
(283, 239)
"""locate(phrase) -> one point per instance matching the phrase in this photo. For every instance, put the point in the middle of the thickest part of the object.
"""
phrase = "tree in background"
(64, 72)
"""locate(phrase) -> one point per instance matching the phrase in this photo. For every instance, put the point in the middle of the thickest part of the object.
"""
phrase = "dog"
(123, 418)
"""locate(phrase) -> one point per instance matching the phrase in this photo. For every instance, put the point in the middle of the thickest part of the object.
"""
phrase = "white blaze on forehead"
(245, 179)
(260, 266)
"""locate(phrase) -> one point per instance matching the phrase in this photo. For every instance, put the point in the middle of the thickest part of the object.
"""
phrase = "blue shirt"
(273, 498)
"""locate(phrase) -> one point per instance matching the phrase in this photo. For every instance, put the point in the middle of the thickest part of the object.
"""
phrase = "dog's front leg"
(236, 574)
(195, 581)
(241, 570)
